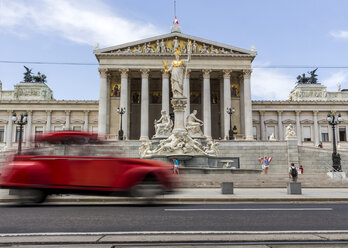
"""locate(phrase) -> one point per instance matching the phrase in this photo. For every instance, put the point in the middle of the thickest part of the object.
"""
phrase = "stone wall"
(250, 151)
(317, 160)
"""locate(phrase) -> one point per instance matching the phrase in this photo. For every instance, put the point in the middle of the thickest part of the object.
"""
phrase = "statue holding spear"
(177, 71)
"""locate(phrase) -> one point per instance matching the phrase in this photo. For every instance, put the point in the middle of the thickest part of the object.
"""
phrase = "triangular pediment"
(167, 44)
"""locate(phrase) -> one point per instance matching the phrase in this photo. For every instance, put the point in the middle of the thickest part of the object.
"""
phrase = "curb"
(178, 200)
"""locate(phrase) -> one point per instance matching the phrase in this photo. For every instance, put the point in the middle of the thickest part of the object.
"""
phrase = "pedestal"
(227, 188)
(179, 104)
(294, 188)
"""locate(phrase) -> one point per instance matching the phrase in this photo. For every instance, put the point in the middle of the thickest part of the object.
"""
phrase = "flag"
(176, 21)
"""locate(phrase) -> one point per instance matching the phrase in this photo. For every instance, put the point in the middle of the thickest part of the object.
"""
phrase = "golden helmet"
(177, 52)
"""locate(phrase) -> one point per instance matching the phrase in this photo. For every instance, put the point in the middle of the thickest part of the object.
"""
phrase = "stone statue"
(290, 131)
(193, 124)
(177, 73)
(145, 149)
(272, 137)
(302, 79)
(175, 45)
(169, 145)
(158, 48)
(163, 47)
(313, 78)
(164, 125)
(192, 146)
(28, 77)
(338, 87)
(211, 148)
(194, 47)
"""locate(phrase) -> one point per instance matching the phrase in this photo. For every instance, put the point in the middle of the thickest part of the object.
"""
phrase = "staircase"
(259, 181)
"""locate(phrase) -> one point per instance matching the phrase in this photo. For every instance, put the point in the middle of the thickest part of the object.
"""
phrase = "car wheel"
(149, 188)
(26, 196)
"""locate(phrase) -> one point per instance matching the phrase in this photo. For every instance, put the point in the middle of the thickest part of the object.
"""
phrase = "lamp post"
(336, 159)
(21, 121)
(121, 111)
(230, 111)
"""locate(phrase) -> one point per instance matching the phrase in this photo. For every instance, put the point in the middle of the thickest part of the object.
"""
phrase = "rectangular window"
(324, 134)
(2, 134)
(77, 128)
(306, 133)
(38, 130)
(342, 133)
(270, 132)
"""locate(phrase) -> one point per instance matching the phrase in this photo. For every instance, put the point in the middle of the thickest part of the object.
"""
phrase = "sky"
(301, 34)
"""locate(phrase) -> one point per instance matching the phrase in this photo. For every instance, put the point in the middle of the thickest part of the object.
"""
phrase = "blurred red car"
(72, 162)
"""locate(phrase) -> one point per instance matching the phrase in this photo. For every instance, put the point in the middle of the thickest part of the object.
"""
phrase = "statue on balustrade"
(193, 125)
(164, 125)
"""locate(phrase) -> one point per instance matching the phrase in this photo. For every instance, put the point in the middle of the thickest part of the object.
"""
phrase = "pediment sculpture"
(173, 44)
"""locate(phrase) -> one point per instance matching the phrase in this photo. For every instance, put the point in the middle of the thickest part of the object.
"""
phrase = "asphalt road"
(173, 217)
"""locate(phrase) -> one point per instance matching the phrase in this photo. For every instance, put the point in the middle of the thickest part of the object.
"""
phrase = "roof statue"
(29, 78)
(308, 80)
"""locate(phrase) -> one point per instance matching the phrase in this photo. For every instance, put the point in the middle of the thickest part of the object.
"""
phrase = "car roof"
(67, 137)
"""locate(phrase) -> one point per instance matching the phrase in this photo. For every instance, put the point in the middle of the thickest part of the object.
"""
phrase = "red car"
(73, 162)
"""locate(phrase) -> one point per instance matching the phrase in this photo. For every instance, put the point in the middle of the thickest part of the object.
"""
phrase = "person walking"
(293, 172)
(175, 166)
(301, 169)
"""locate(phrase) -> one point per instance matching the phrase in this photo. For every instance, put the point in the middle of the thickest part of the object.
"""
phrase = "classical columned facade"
(216, 77)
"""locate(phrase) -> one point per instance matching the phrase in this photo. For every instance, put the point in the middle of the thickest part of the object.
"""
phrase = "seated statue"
(211, 148)
(290, 132)
(193, 125)
(164, 125)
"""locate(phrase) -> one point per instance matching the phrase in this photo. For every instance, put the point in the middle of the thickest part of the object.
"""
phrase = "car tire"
(149, 188)
(29, 196)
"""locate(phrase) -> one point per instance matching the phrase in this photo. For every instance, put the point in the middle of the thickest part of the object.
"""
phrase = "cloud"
(341, 34)
(335, 78)
(85, 22)
(271, 84)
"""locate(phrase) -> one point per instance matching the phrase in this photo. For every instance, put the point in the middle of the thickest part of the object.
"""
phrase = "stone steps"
(259, 181)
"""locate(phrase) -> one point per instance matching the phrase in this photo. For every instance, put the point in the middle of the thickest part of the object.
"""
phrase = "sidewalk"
(212, 195)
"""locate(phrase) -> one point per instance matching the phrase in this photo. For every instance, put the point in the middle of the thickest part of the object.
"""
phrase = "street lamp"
(21, 122)
(336, 159)
(121, 111)
(230, 111)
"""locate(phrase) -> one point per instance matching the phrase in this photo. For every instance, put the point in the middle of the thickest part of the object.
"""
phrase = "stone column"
(316, 133)
(85, 125)
(280, 126)
(9, 129)
(29, 127)
(227, 101)
(262, 125)
(206, 103)
(124, 100)
(48, 120)
(187, 94)
(165, 91)
(67, 119)
(144, 128)
(247, 106)
(298, 127)
(222, 110)
(102, 115)
(242, 116)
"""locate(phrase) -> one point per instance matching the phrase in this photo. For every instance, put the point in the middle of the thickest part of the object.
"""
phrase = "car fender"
(134, 176)
(27, 173)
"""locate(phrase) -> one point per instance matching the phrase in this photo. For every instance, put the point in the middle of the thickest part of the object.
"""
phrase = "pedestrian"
(301, 169)
(175, 166)
(293, 172)
(265, 162)
(320, 145)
